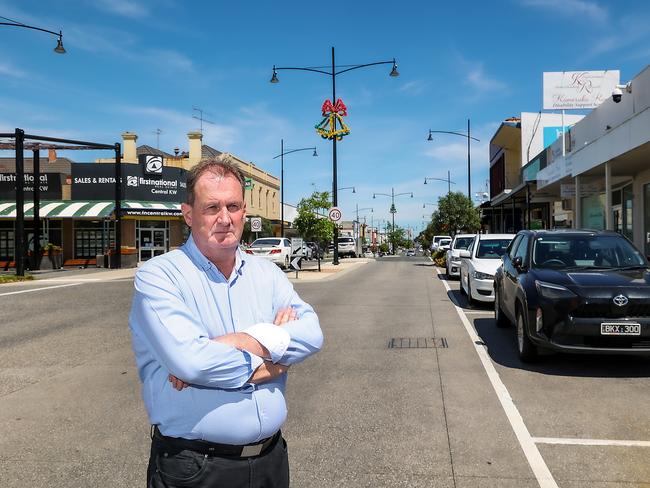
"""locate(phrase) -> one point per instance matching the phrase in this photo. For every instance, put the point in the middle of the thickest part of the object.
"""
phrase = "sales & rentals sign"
(97, 182)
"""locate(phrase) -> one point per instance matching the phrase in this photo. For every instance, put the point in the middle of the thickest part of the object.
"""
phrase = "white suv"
(460, 242)
(435, 243)
(347, 247)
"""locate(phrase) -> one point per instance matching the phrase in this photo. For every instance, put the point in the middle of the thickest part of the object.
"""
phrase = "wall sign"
(49, 186)
(569, 90)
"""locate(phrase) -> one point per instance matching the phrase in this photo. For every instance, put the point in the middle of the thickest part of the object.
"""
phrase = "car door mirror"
(518, 263)
(464, 254)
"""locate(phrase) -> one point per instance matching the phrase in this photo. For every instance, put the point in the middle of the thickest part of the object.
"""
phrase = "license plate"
(620, 329)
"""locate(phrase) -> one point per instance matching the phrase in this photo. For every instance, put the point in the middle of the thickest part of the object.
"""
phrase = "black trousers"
(172, 468)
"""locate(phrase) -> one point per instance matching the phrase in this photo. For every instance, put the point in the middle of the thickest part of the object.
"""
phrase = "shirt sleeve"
(305, 332)
(177, 340)
(275, 339)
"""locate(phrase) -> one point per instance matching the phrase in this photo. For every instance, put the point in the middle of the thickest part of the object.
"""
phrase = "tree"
(456, 213)
(310, 223)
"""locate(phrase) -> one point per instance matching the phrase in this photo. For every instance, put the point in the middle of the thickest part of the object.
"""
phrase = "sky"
(140, 66)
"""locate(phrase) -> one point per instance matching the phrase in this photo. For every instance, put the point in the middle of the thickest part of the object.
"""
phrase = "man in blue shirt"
(214, 332)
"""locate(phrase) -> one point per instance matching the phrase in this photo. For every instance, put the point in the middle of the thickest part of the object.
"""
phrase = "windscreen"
(579, 251)
(463, 242)
(492, 248)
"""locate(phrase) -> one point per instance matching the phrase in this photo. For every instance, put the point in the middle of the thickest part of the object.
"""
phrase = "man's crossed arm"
(244, 342)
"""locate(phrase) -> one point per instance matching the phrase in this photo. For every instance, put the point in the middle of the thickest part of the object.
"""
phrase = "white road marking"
(38, 289)
(535, 460)
(589, 442)
(59, 280)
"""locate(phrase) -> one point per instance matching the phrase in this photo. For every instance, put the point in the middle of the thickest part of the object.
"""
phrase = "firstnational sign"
(97, 182)
(573, 90)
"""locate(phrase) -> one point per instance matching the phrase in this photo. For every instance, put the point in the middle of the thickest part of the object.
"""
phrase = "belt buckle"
(248, 451)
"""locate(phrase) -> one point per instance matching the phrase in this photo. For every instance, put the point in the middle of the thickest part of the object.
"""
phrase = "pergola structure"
(21, 142)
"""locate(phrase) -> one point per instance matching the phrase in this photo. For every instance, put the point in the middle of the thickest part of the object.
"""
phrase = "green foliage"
(383, 247)
(440, 258)
(267, 231)
(456, 213)
(310, 223)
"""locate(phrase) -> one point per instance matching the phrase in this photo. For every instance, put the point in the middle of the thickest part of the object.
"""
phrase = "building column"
(608, 197)
(577, 214)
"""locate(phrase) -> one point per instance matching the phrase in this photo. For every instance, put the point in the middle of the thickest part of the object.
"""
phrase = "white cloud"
(480, 82)
(415, 87)
(7, 69)
(170, 60)
(125, 8)
(571, 8)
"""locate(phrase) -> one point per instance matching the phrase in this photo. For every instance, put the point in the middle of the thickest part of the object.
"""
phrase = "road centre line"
(589, 442)
(535, 460)
(38, 289)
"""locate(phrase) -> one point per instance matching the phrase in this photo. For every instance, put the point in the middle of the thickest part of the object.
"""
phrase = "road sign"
(256, 224)
(334, 214)
(296, 263)
(248, 183)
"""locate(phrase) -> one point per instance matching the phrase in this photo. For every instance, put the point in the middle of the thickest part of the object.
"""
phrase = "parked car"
(479, 263)
(461, 242)
(316, 251)
(436, 241)
(410, 252)
(444, 244)
(347, 247)
(574, 291)
(275, 249)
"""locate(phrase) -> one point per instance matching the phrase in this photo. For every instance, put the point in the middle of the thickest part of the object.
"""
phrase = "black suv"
(574, 291)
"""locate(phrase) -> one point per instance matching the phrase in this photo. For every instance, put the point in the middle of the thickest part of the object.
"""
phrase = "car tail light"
(275, 251)
(539, 319)
(248, 251)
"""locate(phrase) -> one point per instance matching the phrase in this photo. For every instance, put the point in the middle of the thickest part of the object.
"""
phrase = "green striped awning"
(60, 209)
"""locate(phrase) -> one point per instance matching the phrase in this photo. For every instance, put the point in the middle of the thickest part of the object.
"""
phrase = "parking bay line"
(589, 442)
(535, 460)
(38, 289)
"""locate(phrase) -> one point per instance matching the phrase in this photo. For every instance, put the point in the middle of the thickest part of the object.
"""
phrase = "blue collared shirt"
(181, 302)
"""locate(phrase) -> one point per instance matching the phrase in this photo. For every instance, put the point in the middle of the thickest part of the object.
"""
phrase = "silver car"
(275, 249)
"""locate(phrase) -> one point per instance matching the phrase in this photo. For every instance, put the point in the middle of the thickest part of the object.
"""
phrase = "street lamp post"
(393, 210)
(333, 73)
(282, 154)
(468, 136)
(357, 219)
(59, 49)
(448, 180)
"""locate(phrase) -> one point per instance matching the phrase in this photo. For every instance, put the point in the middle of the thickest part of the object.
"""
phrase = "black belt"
(215, 449)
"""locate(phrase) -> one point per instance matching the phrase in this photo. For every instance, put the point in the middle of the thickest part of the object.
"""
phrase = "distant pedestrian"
(214, 332)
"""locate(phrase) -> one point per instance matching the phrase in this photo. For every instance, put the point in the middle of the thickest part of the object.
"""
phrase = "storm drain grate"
(418, 343)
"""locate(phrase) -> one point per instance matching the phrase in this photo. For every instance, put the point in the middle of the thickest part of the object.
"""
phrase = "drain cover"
(417, 343)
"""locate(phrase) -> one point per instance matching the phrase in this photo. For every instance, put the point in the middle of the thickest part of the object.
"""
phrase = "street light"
(448, 180)
(468, 136)
(393, 210)
(59, 49)
(424, 205)
(333, 73)
(281, 156)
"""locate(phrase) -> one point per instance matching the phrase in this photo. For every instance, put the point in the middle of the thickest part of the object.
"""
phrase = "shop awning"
(60, 209)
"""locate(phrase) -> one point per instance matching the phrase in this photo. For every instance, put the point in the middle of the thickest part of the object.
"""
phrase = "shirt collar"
(204, 263)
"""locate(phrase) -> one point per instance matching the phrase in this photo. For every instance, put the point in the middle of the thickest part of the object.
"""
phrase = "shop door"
(152, 243)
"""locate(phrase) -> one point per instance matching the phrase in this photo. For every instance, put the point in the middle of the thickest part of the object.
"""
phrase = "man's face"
(218, 214)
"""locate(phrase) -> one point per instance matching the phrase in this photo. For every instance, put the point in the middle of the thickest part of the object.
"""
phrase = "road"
(367, 411)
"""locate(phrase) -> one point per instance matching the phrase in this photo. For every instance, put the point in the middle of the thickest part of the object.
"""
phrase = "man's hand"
(244, 342)
(267, 371)
(176, 383)
(285, 315)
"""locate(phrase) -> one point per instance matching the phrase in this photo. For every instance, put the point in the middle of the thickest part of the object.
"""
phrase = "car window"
(492, 248)
(463, 242)
(512, 249)
(522, 248)
(265, 242)
(593, 251)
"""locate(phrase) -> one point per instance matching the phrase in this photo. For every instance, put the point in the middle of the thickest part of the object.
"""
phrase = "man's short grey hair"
(222, 166)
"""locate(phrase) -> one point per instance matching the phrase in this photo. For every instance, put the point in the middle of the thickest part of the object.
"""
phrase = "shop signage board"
(97, 182)
(49, 186)
(571, 90)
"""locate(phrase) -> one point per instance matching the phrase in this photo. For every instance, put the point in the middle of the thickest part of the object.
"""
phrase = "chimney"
(129, 149)
(196, 141)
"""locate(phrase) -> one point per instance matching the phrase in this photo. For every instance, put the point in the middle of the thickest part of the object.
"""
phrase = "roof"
(59, 165)
(144, 149)
(209, 152)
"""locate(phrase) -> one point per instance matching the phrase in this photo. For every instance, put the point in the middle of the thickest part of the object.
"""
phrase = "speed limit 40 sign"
(334, 214)
(256, 224)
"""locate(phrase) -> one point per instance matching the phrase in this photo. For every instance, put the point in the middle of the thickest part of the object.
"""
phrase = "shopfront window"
(91, 238)
(6, 241)
(593, 212)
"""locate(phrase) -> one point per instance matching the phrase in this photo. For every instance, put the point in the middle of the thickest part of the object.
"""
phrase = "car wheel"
(470, 299)
(448, 272)
(500, 319)
(527, 350)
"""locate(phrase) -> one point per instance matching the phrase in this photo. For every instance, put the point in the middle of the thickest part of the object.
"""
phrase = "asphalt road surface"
(413, 388)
